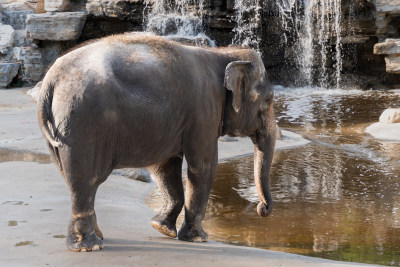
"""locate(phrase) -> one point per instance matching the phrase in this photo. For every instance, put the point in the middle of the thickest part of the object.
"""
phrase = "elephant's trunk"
(263, 154)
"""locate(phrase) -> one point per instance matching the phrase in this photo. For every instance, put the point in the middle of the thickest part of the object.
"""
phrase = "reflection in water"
(7, 155)
(337, 197)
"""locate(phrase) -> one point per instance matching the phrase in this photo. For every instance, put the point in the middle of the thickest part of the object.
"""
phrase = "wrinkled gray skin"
(142, 101)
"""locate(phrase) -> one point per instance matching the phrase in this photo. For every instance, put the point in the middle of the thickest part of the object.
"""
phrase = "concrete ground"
(35, 209)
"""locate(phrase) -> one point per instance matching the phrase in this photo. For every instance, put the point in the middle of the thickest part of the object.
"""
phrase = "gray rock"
(21, 39)
(393, 63)
(16, 18)
(30, 59)
(56, 5)
(142, 175)
(7, 34)
(390, 115)
(7, 72)
(55, 26)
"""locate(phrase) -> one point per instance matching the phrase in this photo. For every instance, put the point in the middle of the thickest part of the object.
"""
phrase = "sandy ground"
(35, 209)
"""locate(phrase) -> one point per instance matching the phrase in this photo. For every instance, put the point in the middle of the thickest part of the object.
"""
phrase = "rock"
(34, 92)
(16, 18)
(393, 64)
(30, 59)
(391, 115)
(384, 131)
(7, 72)
(226, 138)
(21, 39)
(388, 6)
(122, 9)
(7, 34)
(389, 47)
(55, 26)
(56, 5)
(142, 175)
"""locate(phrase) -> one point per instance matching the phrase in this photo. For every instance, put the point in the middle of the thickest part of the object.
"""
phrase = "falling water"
(320, 43)
(180, 19)
(248, 20)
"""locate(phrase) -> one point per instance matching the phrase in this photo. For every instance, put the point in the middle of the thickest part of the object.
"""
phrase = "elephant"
(142, 101)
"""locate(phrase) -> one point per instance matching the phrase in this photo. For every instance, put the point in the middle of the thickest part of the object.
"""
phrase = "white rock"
(55, 26)
(34, 92)
(384, 131)
(31, 60)
(7, 34)
(7, 72)
(56, 5)
(391, 115)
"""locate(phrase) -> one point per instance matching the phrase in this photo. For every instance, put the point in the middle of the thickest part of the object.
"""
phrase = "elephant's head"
(249, 112)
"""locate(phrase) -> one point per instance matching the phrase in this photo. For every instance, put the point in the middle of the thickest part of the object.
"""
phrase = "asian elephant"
(137, 100)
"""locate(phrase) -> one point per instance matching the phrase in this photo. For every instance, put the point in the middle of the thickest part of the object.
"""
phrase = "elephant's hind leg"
(168, 176)
(83, 175)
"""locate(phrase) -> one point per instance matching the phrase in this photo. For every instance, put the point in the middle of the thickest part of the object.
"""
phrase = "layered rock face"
(35, 32)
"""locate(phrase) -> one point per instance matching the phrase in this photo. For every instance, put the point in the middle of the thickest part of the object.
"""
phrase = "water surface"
(337, 197)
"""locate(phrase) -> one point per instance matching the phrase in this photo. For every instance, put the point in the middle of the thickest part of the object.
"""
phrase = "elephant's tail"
(45, 114)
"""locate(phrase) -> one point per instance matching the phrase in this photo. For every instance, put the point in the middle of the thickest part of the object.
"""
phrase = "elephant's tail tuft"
(45, 115)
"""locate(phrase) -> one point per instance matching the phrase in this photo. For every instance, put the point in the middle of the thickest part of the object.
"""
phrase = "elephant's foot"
(164, 227)
(192, 235)
(83, 236)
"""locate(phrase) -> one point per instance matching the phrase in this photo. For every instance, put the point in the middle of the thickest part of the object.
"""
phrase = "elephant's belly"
(144, 154)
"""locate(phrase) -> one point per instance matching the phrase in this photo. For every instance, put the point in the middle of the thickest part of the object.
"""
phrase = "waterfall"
(320, 43)
(248, 19)
(180, 20)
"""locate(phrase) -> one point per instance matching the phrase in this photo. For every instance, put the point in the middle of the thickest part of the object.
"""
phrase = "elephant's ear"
(237, 81)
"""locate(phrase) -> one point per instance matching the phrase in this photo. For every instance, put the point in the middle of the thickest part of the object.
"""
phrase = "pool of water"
(337, 197)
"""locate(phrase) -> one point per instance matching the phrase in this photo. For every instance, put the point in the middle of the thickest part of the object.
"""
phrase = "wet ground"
(337, 197)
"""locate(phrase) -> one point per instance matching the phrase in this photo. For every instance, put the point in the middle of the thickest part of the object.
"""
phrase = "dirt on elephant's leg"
(168, 176)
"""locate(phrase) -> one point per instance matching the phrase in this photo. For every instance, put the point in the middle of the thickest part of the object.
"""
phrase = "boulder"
(30, 59)
(56, 5)
(55, 26)
(7, 72)
(7, 34)
(391, 115)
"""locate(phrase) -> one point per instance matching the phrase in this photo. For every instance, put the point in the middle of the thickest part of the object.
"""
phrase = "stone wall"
(33, 33)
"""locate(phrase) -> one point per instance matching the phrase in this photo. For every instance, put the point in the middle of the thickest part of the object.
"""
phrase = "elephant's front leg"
(168, 176)
(201, 173)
